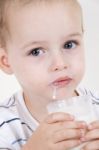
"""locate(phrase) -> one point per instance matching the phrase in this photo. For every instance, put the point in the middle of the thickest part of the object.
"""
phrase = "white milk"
(80, 107)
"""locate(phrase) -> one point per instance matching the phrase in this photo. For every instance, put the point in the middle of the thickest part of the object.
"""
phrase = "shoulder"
(8, 111)
(9, 105)
(12, 125)
(93, 93)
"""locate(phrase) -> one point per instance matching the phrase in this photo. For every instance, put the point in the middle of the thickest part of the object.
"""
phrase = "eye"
(70, 45)
(36, 52)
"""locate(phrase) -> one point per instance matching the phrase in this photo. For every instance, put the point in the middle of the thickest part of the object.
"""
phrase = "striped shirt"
(17, 124)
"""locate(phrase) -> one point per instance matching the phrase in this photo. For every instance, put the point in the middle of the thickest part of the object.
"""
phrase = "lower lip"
(63, 83)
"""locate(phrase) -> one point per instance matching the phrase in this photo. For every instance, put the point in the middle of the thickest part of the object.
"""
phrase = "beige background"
(8, 84)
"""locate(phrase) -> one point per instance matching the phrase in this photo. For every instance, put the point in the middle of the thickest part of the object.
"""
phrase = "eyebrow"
(32, 43)
(75, 34)
(43, 42)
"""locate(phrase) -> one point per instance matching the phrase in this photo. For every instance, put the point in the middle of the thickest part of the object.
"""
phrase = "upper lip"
(61, 79)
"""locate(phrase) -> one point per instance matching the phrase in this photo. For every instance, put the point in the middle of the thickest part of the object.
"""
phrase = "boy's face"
(45, 49)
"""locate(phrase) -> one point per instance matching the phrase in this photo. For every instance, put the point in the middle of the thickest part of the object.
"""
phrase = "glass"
(78, 106)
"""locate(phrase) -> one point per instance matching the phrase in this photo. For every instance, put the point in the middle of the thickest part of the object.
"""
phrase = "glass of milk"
(78, 106)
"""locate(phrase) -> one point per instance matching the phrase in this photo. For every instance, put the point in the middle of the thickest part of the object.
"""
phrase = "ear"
(4, 63)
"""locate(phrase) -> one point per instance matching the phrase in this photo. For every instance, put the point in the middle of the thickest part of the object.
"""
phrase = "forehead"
(41, 19)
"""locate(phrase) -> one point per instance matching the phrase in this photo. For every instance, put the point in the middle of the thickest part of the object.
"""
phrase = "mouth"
(62, 82)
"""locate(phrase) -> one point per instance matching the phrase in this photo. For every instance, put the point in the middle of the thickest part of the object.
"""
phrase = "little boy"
(41, 42)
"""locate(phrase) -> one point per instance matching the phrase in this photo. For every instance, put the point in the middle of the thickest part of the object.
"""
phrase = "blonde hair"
(5, 5)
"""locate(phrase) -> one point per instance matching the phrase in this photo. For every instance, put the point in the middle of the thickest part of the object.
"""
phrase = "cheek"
(79, 66)
(80, 70)
(33, 77)
(36, 84)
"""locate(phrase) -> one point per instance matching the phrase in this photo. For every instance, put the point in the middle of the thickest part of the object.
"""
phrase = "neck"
(36, 107)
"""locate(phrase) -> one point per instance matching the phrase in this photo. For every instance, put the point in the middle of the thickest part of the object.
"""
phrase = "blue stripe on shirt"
(15, 119)
(5, 148)
(19, 141)
(8, 121)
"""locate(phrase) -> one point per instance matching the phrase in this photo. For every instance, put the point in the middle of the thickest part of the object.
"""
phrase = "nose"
(59, 63)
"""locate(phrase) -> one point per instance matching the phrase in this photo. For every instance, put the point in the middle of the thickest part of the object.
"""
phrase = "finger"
(63, 126)
(91, 135)
(92, 145)
(71, 125)
(68, 125)
(93, 125)
(58, 116)
(67, 144)
(67, 135)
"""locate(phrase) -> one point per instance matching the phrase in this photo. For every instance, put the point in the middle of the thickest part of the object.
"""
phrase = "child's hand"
(59, 131)
(92, 137)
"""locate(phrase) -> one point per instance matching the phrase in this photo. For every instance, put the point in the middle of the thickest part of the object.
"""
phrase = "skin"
(50, 32)
(92, 137)
(47, 32)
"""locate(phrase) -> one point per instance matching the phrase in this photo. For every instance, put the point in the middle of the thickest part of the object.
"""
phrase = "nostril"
(58, 63)
(56, 69)
(60, 67)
